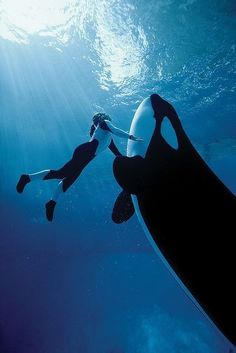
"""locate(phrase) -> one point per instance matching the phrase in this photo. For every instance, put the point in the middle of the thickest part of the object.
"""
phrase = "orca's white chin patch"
(143, 125)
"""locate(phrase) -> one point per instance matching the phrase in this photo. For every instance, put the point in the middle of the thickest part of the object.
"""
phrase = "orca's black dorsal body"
(189, 214)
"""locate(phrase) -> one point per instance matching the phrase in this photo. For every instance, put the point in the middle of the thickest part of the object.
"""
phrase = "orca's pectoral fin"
(123, 208)
(129, 173)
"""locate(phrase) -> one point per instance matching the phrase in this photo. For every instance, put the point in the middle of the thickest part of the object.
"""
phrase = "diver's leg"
(27, 178)
(61, 173)
(50, 205)
(39, 175)
(70, 172)
(45, 175)
(60, 189)
(81, 157)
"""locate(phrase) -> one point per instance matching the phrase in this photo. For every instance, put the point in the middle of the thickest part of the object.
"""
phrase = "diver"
(101, 133)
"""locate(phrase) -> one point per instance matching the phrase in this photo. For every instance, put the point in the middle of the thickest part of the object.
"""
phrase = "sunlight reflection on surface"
(119, 44)
(30, 16)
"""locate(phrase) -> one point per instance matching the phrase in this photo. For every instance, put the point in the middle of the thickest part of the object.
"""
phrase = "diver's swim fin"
(24, 179)
(123, 208)
(50, 206)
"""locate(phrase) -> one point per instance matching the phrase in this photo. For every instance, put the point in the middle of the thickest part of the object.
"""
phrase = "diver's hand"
(133, 138)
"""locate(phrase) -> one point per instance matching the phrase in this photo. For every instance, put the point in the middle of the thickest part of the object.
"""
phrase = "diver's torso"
(103, 137)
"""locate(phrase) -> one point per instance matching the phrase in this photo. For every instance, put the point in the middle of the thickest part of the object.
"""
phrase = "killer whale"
(187, 211)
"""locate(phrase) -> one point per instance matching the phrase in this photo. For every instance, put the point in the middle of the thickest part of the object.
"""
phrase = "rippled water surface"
(83, 284)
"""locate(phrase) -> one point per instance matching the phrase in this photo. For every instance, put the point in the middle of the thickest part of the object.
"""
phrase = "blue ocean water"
(83, 284)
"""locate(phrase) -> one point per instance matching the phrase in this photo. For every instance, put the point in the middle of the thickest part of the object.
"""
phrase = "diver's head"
(99, 117)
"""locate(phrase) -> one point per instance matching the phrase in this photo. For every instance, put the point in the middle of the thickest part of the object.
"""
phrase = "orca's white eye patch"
(168, 133)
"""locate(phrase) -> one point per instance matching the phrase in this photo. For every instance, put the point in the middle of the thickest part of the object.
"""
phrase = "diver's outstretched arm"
(107, 125)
